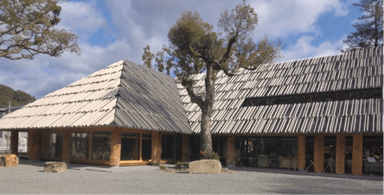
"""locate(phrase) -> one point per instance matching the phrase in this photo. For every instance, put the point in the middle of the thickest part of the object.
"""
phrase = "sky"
(113, 30)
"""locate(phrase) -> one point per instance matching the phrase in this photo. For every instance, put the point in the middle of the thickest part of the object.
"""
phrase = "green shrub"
(212, 155)
(162, 167)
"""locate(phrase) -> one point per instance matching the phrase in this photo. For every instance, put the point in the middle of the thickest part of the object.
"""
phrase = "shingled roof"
(123, 94)
(355, 70)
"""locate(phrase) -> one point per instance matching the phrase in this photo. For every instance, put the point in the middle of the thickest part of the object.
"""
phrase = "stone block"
(205, 166)
(55, 167)
(11, 160)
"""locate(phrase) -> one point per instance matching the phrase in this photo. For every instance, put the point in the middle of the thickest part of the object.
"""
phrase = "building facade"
(324, 111)
(321, 114)
(122, 115)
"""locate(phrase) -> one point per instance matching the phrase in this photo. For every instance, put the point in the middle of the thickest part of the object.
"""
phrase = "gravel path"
(27, 178)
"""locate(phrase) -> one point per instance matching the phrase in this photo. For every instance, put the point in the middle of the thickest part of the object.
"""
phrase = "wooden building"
(122, 115)
(325, 110)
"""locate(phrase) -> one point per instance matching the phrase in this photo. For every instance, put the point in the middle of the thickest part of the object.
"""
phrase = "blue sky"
(112, 30)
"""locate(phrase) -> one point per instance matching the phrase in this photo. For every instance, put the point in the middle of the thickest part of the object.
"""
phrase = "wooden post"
(301, 152)
(90, 145)
(185, 148)
(44, 143)
(141, 147)
(34, 144)
(156, 148)
(114, 159)
(66, 156)
(340, 153)
(231, 150)
(319, 154)
(14, 142)
(357, 155)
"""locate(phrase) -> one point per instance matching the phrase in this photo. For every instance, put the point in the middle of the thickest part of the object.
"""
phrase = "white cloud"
(284, 18)
(136, 24)
(304, 49)
(80, 16)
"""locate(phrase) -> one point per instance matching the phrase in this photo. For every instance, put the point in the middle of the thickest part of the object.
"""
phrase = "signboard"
(371, 159)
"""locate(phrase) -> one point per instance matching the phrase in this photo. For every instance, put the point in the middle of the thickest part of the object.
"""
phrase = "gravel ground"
(28, 177)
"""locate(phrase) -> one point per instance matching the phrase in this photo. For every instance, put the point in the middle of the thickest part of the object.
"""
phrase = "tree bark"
(206, 109)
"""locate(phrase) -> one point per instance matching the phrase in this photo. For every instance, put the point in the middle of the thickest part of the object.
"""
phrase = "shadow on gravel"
(292, 172)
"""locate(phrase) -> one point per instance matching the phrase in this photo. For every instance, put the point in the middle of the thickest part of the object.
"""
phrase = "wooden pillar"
(301, 152)
(66, 145)
(114, 159)
(14, 142)
(231, 150)
(357, 155)
(141, 147)
(185, 148)
(340, 154)
(45, 136)
(319, 154)
(156, 147)
(90, 145)
(34, 144)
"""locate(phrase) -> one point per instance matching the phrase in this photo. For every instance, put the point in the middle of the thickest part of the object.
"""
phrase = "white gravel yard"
(30, 178)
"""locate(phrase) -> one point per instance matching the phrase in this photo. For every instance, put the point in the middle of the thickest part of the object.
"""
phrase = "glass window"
(147, 146)
(373, 147)
(55, 144)
(5, 141)
(168, 144)
(79, 145)
(130, 146)
(194, 147)
(267, 151)
(348, 154)
(101, 146)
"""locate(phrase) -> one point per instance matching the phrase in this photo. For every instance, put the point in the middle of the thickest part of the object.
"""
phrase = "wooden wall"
(34, 144)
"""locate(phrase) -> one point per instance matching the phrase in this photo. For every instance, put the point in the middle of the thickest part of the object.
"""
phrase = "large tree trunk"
(205, 133)
(206, 109)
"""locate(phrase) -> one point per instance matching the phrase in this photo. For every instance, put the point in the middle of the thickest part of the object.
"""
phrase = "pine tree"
(369, 31)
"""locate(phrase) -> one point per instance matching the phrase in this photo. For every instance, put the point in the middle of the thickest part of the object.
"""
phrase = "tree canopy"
(17, 98)
(27, 29)
(369, 29)
(195, 48)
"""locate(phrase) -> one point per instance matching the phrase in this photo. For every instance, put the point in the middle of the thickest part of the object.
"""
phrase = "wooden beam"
(66, 145)
(340, 153)
(34, 144)
(319, 154)
(231, 150)
(14, 142)
(114, 159)
(301, 152)
(357, 155)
